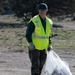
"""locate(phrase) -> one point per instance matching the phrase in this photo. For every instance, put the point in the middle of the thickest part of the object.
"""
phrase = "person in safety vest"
(38, 36)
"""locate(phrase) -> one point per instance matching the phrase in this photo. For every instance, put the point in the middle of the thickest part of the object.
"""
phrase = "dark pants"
(38, 58)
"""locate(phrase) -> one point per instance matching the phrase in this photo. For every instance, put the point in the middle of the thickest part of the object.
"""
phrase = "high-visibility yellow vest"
(40, 38)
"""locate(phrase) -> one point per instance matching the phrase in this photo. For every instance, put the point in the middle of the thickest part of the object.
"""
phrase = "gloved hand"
(49, 48)
(31, 46)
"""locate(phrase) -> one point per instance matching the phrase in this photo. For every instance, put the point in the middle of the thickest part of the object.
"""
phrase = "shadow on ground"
(13, 25)
(57, 26)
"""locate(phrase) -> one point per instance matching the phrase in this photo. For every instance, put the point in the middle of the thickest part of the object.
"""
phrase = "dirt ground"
(17, 62)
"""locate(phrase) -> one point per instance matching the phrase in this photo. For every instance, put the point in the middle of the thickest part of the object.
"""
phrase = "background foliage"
(56, 7)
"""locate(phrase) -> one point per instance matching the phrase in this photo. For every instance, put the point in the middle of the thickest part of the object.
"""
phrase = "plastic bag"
(55, 66)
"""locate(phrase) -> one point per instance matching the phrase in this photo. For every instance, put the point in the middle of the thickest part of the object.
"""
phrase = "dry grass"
(12, 37)
(15, 37)
(65, 38)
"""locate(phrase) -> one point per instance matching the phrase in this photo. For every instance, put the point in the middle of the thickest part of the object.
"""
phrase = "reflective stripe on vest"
(40, 38)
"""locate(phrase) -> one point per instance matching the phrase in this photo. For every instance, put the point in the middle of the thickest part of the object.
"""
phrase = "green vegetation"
(64, 40)
(13, 35)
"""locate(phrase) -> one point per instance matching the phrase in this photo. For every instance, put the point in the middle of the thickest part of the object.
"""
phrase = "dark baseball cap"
(42, 6)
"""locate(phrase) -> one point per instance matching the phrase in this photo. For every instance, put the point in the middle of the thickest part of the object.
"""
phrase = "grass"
(64, 40)
(14, 37)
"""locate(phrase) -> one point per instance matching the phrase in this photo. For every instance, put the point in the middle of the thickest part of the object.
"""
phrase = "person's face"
(42, 13)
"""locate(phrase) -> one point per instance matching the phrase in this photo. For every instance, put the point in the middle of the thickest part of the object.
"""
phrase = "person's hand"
(31, 46)
(49, 48)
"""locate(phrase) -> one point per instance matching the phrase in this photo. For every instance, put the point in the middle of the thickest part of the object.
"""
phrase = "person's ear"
(46, 10)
